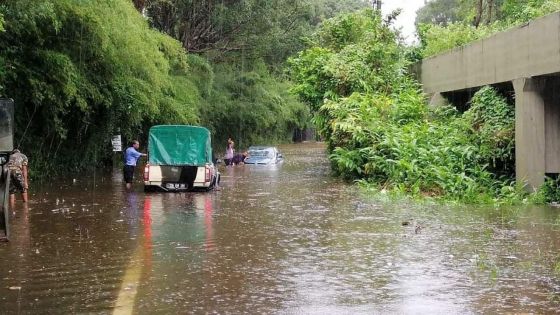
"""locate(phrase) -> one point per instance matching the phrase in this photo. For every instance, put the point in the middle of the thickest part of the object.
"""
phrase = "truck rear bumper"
(155, 185)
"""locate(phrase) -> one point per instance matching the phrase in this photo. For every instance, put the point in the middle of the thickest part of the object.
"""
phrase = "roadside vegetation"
(79, 72)
(373, 115)
(82, 71)
(380, 130)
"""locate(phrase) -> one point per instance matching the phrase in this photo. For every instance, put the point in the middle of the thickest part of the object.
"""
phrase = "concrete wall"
(522, 52)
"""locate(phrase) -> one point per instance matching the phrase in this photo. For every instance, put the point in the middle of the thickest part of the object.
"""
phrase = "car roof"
(261, 147)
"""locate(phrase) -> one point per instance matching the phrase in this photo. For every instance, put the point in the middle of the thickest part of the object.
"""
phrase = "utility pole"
(376, 4)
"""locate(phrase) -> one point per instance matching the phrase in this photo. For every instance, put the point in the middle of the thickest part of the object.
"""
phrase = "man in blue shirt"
(131, 156)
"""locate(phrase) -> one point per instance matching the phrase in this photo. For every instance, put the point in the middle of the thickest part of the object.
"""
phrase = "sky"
(406, 18)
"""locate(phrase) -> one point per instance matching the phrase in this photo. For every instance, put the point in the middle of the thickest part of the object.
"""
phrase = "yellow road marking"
(129, 287)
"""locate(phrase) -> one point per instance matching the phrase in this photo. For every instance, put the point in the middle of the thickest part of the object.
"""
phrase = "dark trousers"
(128, 172)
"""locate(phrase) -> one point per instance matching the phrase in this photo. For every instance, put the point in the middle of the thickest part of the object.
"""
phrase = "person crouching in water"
(18, 175)
(239, 158)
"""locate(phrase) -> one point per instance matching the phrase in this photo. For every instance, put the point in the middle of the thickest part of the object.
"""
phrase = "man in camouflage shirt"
(18, 175)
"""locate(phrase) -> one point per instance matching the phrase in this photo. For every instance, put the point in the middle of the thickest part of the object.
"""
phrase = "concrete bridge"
(524, 61)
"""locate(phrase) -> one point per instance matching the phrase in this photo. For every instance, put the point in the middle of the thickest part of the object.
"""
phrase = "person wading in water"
(18, 175)
(131, 157)
(229, 152)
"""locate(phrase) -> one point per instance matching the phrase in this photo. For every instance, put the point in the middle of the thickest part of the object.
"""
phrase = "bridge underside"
(537, 124)
(525, 64)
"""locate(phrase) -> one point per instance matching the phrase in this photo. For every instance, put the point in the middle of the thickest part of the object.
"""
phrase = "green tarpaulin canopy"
(179, 145)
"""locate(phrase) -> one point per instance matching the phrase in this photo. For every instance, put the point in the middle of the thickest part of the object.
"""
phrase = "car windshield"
(261, 153)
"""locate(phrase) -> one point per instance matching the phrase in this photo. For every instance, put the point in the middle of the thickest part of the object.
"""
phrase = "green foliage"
(260, 29)
(439, 12)
(350, 53)
(557, 267)
(251, 106)
(313, 80)
(436, 37)
(492, 123)
(522, 11)
(413, 154)
(549, 191)
(246, 43)
(379, 129)
(80, 72)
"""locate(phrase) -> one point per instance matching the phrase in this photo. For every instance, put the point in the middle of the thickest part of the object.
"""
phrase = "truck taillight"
(146, 172)
(207, 176)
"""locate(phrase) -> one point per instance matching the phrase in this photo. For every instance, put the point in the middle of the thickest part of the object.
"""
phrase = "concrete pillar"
(530, 150)
(437, 99)
(552, 125)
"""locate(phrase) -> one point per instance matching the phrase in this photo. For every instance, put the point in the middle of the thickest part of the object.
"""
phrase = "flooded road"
(287, 239)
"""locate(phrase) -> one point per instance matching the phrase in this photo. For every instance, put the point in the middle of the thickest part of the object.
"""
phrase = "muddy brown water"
(286, 239)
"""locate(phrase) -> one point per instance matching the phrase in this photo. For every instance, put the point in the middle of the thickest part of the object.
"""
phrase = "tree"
(478, 15)
(439, 12)
(444, 12)
(261, 28)
(481, 12)
(217, 24)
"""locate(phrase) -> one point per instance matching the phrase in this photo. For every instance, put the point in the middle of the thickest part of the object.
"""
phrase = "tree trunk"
(139, 4)
(478, 16)
(490, 11)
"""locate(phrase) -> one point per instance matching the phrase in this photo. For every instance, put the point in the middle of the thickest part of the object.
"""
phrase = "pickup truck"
(180, 159)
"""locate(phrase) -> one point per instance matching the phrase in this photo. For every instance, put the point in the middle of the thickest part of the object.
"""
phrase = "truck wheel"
(213, 184)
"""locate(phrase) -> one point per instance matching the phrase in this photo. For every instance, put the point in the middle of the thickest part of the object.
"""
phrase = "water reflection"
(284, 239)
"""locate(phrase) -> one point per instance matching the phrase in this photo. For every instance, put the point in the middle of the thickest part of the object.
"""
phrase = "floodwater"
(287, 239)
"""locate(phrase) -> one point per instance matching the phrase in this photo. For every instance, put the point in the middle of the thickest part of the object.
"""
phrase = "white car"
(263, 155)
